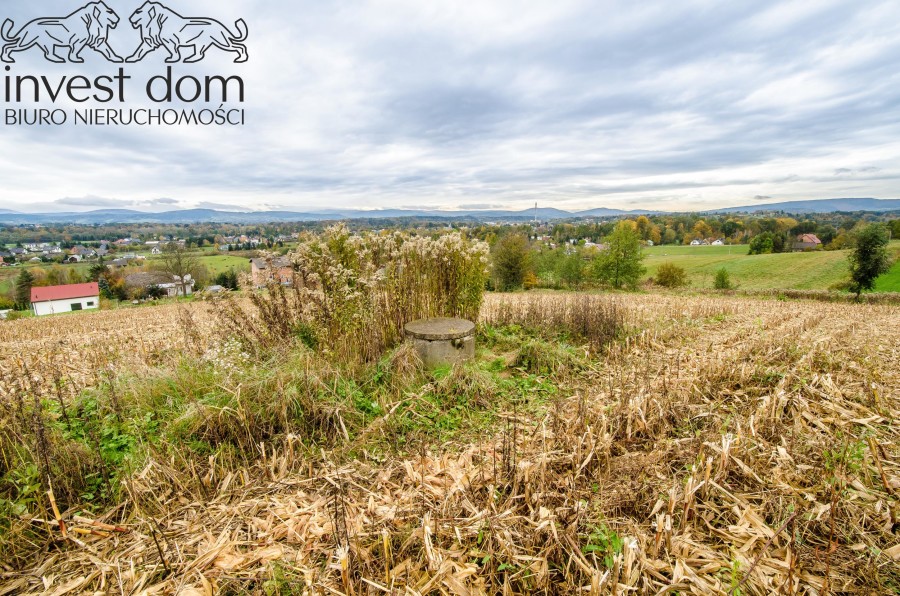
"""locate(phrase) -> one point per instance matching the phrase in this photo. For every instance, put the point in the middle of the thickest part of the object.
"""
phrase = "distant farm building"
(267, 271)
(53, 300)
(83, 252)
(807, 242)
(170, 285)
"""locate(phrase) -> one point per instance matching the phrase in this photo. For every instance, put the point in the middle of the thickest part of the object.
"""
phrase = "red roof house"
(807, 242)
(58, 299)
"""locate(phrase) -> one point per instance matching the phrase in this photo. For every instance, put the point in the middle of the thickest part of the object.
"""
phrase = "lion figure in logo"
(163, 27)
(87, 27)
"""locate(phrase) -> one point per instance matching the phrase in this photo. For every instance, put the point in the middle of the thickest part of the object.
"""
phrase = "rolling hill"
(185, 216)
(819, 206)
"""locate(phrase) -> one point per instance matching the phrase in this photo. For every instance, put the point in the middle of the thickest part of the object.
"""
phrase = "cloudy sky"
(447, 104)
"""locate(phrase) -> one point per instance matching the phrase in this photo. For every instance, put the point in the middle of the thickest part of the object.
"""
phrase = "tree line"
(520, 261)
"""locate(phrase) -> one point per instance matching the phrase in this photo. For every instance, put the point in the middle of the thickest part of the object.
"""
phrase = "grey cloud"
(587, 104)
(218, 206)
(96, 202)
(161, 201)
(481, 206)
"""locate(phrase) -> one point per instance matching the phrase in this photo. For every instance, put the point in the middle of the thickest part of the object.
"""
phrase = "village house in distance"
(807, 242)
(53, 300)
(266, 271)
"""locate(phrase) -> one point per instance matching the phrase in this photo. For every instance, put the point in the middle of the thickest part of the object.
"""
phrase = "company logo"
(159, 26)
(86, 27)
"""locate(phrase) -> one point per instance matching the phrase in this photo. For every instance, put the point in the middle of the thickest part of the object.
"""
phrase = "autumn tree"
(762, 244)
(510, 262)
(669, 237)
(179, 262)
(570, 270)
(702, 230)
(621, 264)
(97, 270)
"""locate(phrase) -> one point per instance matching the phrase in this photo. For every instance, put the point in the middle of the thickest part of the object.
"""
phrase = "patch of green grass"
(890, 281)
(799, 271)
(458, 399)
(548, 358)
(465, 400)
(818, 270)
(217, 264)
(603, 543)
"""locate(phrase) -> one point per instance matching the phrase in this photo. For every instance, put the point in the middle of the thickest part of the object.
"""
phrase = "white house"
(718, 242)
(53, 300)
(170, 284)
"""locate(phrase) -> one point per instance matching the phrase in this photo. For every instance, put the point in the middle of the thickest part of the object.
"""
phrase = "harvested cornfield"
(717, 446)
(78, 350)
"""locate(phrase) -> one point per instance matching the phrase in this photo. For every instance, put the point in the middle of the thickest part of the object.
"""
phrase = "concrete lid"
(440, 329)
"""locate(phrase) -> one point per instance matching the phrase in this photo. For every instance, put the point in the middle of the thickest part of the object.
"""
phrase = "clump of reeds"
(469, 384)
(543, 357)
(403, 366)
(352, 294)
(594, 319)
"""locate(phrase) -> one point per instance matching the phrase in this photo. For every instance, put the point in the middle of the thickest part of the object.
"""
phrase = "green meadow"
(217, 264)
(796, 271)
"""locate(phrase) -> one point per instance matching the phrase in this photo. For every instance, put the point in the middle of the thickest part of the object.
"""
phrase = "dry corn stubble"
(729, 445)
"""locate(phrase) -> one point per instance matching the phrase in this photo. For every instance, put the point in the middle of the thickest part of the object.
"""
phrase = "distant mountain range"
(185, 216)
(820, 206)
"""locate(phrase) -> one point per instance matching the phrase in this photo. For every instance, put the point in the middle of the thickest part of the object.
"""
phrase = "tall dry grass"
(352, 294)
(592, 318)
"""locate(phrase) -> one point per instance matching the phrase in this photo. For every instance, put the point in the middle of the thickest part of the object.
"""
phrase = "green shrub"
(670, 275)
(723, 280)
